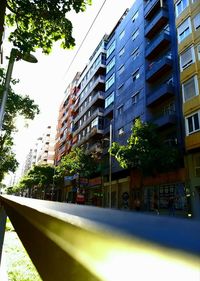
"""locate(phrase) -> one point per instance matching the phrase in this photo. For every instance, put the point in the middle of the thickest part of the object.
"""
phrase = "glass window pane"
(190, 125)
(196, 121)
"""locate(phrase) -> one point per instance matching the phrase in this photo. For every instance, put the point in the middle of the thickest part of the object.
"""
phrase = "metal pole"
(2, 228)
(6, 85)
(110, 168)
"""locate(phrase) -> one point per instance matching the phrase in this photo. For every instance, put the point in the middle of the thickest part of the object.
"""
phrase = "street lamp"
(110, 164)
(14, 55)
(110, 167)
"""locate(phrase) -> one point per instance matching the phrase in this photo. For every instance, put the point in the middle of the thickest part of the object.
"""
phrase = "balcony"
(61, 149)
(97, 99)
(63, 139)
(94, 132)
(159, 43)
(165, 119)
(159, 94)
(95, 148)
(63, 128)
(155, 25)
(97, 112)
(152, 6)
(157, 68)
(192, 141)
(96, 84)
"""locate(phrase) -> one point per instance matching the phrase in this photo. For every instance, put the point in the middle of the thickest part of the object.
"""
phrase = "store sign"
(95, 181)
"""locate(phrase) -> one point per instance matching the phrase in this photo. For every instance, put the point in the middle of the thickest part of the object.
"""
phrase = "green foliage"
(145, 150)
(16, 105)
(76, 162)
(40, 176)
(38, 24)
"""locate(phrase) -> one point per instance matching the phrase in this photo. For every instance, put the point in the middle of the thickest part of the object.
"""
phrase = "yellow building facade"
(188, 37)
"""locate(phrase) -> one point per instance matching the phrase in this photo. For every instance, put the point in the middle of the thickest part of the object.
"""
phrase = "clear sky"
(46, 81)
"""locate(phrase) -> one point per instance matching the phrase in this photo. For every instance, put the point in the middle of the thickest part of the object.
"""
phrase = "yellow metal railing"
(73, 242)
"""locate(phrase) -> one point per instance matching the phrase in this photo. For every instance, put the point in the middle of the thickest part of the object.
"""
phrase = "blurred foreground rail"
(73, 242)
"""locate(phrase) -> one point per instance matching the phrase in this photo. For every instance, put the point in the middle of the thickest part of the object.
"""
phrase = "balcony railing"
(100, 79)
(61, 149)
(158, 67)
(79, 243)
(161, 92)
(151, 7)
(97, 96)
(158, 43)
(155, 25)
(165, 118)
(97, 112)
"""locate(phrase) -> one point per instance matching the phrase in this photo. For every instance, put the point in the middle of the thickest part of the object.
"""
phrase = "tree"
(76, 162)
(39, 176)
(38, 24)
(16, 105)
(146, 151)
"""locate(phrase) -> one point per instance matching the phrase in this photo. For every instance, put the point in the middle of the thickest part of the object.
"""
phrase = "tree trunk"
(2, 19)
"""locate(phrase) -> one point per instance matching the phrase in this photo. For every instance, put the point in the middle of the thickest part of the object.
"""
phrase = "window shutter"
(189, 89)
(186, 57)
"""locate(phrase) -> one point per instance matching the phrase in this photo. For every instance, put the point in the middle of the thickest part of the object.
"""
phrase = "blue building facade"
(133, 73)
(142, 81)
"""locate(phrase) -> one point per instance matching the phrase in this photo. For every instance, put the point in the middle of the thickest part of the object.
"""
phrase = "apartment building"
(88, 124)
(134, 73)
(187, 14)
(46, 153)
(142, 80)
(67, 114)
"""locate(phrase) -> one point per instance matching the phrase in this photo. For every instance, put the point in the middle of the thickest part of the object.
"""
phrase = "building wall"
(188, 37)
(46, 154)
(88, 124)
(67, 114)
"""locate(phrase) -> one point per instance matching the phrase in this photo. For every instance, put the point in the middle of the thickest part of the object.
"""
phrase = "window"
(184, 30)
(120, 110)
(198, 51)
(135, 53)
(169, 108)
(180, 6)
(135, 16)
(110, 82)
(94, 123)
(190, 88)
(109, 100)
(120, 89)
(121, 131)
(135, 97)
(196, 21)
(187, 58)
(193, 123)
(121, 69)
(121, 52)
(136, 75)
(110, 65)
(135, 34)
(110, 49)
(121, 34)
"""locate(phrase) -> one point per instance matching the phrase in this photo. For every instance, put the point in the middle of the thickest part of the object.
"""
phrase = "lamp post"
(14, 55)
(110, 164)
(110, 167)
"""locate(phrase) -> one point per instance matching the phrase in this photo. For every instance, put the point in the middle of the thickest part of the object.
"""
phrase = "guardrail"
(74, 242)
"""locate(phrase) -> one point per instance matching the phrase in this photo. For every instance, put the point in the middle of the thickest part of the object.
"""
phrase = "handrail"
(73, 242)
